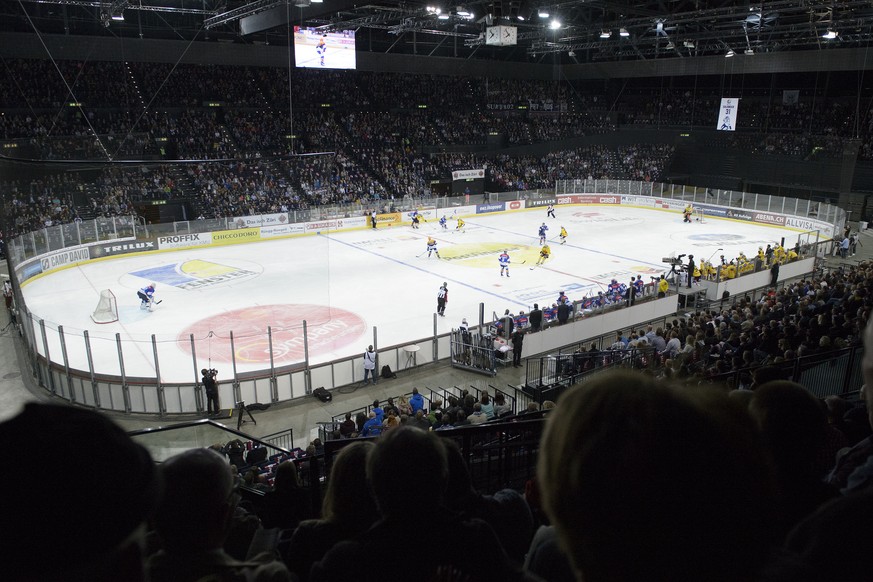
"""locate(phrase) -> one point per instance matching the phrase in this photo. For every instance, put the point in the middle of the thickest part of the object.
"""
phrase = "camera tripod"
(240, 409)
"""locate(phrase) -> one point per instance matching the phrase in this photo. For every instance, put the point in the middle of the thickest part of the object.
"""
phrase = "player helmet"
(153, 285)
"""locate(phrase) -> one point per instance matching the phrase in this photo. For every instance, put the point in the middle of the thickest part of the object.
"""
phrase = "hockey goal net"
(107, 308)
(698, 215)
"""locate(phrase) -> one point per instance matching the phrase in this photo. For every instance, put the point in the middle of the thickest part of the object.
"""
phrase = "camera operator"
(209, 384)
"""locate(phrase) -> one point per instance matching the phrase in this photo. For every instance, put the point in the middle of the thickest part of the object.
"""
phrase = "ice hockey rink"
(345, 284)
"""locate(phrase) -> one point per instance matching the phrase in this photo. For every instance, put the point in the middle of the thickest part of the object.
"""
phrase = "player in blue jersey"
(443, 222)
(147, 296)
(432, 247)
(503, 259)
(543, 229)
(321, 48)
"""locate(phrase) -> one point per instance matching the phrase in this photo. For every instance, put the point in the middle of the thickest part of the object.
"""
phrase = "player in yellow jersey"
(460, 226)
(544, 254)
(689, 210)
(563, 235)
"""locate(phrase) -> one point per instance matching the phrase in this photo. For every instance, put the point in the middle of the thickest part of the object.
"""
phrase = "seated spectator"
(347, 428)
(831, 543)
(501, 408)
(506, 511)
(91, 526)
(193, 520)
(702, 511)
(794, 429)
(487, 405)
(400, 488)
(478, 417)
(289, 502)
(347, 511)
(416, 402)
(373, 426)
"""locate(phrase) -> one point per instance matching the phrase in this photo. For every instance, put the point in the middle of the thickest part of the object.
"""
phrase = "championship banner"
(727, 115)
(468, 174)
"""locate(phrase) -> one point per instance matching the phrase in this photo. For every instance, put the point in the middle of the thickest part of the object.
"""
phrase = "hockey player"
(321, 48)
(460, 226)
(563, 235)
(432, 247)
(542, 232)
(147, 297)
(689, 210)
(443, 222)
(415, 219)
(503, 259)
(639, 286)
(544, 254)
(551, 211)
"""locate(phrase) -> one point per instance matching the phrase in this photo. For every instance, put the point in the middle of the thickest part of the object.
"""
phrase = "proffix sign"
(181, 241)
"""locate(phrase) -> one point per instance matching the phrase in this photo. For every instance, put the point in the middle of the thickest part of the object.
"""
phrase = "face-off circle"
(328, 329)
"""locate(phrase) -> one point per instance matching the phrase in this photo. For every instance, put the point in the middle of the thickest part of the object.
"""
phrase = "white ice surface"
(368, 278)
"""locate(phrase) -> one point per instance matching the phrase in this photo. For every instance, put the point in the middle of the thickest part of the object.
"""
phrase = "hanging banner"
(727, 115)
(790, 96)
(468, 174)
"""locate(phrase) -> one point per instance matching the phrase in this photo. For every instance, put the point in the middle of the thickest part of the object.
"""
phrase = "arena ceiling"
(570, 31)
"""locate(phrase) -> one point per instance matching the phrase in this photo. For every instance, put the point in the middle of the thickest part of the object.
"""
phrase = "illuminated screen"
(314, 49)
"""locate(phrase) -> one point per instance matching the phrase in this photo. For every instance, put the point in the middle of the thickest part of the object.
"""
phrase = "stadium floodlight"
(689, 44)
(543, 13)
(749, 52)
(461, 11)
(670, 46)
(830, 34)
(605, 33)
(729, 53)
(555, 24)
(623, 32)
(117, 16)
(443, 16)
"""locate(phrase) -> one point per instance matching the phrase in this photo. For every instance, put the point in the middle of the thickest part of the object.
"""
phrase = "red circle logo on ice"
(328, 329)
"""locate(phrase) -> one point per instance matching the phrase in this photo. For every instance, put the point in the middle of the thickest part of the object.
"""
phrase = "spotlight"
(670, 46)
(543, 13)
(749, 52)
(729, 54)
(623, 32)
(555, 24)
(571, 54)
(689, 44)
(830, 34)
(605, 33)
